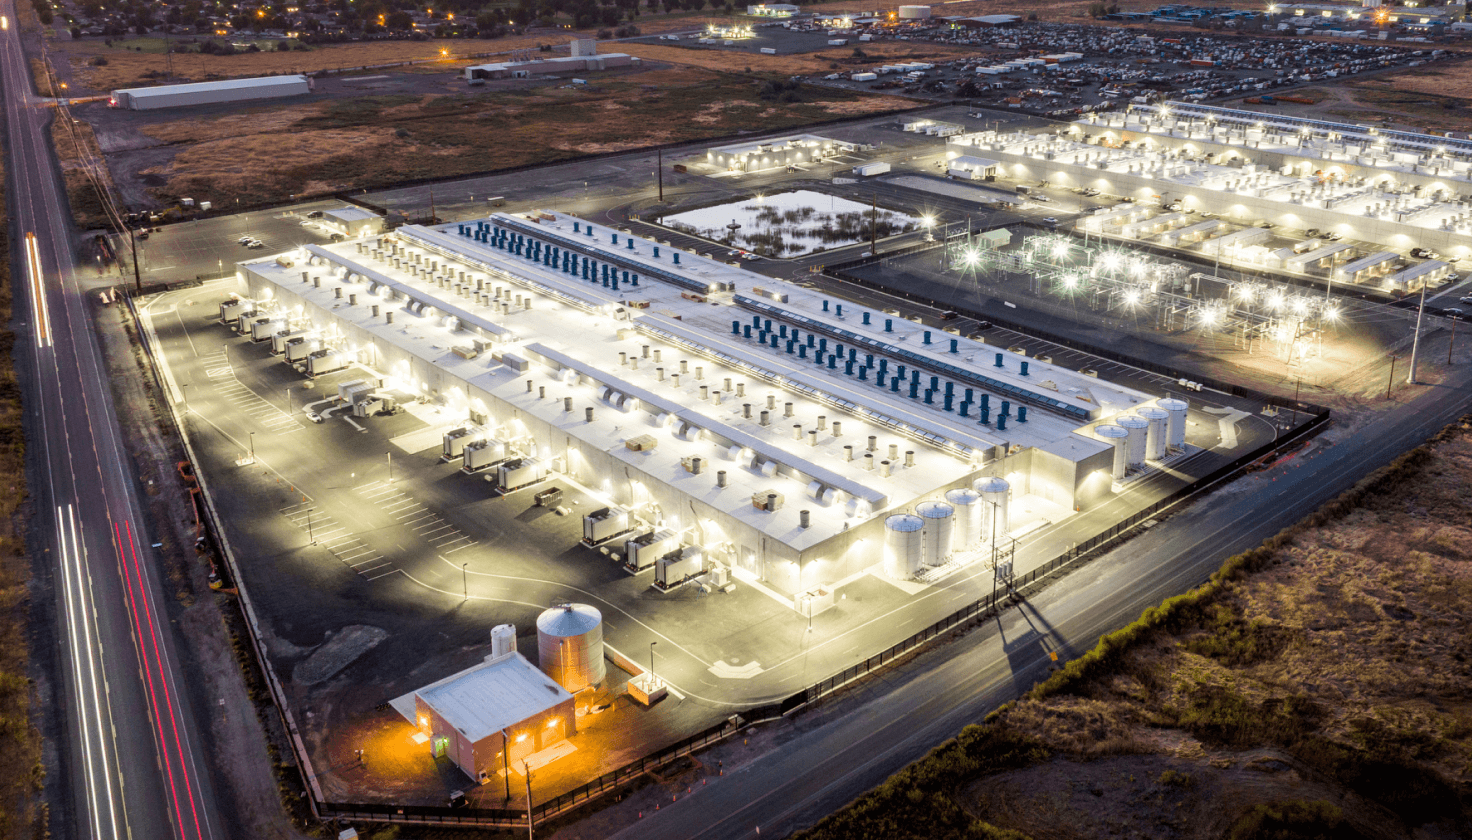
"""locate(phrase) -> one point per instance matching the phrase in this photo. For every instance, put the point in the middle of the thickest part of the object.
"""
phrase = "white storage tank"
(1117, 437)
(914, 12)
(1175, 434)
(938, 517)
(503, 639)
(1135, 440)
(1155, 436)
(966, 531)
(570, 645)
(994, 494)
(902, 541)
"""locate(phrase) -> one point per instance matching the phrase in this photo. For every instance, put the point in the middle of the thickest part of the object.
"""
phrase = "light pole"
(310, 536)
(651, 666)
(465, 580)
(252, 447)
(390, 467)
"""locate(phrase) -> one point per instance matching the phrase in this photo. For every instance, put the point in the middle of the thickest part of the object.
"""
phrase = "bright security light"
(1060, 249)
(970, 257)
(1132, 297)
(927, 221)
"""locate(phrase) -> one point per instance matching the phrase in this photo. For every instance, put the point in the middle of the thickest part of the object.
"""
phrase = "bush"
(1292, 819)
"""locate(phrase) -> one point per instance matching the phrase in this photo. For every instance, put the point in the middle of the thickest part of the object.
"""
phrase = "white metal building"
(779, 151)
(352, 222)
(473, 717)
(762, 422)
(209, 93)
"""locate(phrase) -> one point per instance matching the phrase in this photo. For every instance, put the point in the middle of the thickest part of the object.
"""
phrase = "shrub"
(1290, 819)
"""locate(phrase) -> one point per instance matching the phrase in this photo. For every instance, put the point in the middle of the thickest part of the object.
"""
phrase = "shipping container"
(877, 167)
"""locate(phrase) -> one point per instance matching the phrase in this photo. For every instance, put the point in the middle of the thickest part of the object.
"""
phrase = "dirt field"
(800, 64)
(374, 141)
(1320, 689)
(1433, 98)
(21, 773)
(125, 67)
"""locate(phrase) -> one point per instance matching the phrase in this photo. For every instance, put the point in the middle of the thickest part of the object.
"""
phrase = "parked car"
(1465, 299)
(1312, 233)
(1454, 314)
(315, 214)
(1051, 221)
(244, 240)
(1332, 237)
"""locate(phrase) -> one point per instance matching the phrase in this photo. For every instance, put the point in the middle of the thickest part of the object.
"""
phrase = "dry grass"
(125, 68)
(799, 64)
(373, 141)
(71, 145)
(21, 772)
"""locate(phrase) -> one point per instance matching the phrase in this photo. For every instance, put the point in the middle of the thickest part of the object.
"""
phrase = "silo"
(1155, 436)
(938, 517)
(1175, 434)
(994, 492)
(570, 645)
(1135, 441)
(902, 552)
(503, 639)
(967, 529)
(1117, 437)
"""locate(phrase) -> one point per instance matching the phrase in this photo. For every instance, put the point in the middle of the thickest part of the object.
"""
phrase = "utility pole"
(1416, 342)
(661, 175)
(1453, 342)
(873, 224)
(1391, 383)
(431, 205)
(506, 761)
(137, 276)
(528, 799)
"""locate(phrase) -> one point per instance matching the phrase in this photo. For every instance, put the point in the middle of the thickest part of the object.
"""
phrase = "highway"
(132, 765)
(828, 765)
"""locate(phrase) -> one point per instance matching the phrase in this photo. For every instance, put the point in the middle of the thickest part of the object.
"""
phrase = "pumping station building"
(732, 425)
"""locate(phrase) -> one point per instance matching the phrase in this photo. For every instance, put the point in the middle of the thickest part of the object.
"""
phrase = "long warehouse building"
(769, 426)
(210, 93)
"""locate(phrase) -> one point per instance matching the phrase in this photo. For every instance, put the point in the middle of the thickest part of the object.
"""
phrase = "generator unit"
(455, 441)
(263, 328)
(326, 361)
(600, 526)
(231, 309)
(679, 566)
(241, 321)
(298, 349)
(642, 552)
(281, 337)
(482, 454)
(518, 473)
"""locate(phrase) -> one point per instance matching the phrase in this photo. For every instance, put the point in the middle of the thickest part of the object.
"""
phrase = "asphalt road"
(831, 764)
(131, 757)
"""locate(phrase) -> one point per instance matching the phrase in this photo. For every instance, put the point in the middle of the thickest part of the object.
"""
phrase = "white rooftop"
(223, 84)
(576, 330)
(349, 214)
(494, 695)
